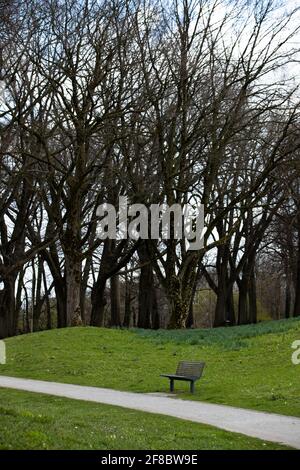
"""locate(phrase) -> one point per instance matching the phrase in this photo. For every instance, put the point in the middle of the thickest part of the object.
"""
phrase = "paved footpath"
(265, 426)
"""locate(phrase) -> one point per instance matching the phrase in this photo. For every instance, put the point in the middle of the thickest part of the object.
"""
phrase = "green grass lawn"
(34, 421)
(247, 366)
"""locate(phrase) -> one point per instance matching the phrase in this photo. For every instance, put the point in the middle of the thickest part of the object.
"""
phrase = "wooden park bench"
(188, 371)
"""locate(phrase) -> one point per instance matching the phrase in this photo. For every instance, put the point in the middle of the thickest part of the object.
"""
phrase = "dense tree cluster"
(162, 102)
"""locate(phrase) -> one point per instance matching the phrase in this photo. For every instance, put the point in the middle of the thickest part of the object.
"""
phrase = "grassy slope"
(246, 366)
(33, 421)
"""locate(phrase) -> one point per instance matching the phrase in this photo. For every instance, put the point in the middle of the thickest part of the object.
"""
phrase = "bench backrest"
(190, 369)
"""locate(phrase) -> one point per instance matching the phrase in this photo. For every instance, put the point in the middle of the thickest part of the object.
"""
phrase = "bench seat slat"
(179, 377)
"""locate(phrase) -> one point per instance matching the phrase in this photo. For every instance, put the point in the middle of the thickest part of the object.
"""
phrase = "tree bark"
(252, 297)
(190, 319)
(115, 307)
(59, 283)
(98, 294)
(179, 292)
(73, 290)
(8, 317)
(61, 304)
(148, 314)
(99, 302)
(47, 299)
(127, 313)
(84, 284)
(243, 315)
(155, 318)
(230, 310)
(296, 312)
(287, 312)
(38, 303)
(224, 311)
(179, 298)
(18, 305)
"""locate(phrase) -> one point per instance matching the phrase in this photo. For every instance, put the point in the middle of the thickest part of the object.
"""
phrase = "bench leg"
(192, 387)
(171, 385)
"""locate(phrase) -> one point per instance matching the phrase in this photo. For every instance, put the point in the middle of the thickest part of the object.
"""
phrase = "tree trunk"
(59, 283)
(98, 294)
(98, 299)
(224, 310)
(230, 310)
(252, 297)
(190, 318)
(38, 303)
(297, 286)
(128, 300)
(48, 313)
(179, 298)
(179, 292)
(287, 298)
(73, 288)
(127, 313)
(27, 319)
(115, 307)
(179, 312)
(8, 317)
(155, 319)
(148, 314)
(247, 293)
(220, 309)
(61, 304)
(243, 317)
(18, 305)
(83, 293)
